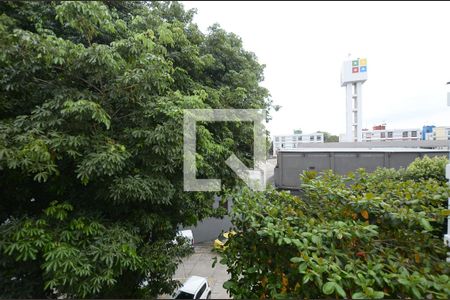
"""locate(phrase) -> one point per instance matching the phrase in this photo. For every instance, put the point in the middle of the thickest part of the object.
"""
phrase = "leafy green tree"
(91, 142)
(329, 138)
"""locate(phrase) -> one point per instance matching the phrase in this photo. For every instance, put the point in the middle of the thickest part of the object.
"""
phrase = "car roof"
(192, 284)
(186, 233)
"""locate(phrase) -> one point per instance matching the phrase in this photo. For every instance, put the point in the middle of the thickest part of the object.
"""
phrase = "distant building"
(379, 127)
(380, 133)
(427, 132)
(439, 133)
(294, 141)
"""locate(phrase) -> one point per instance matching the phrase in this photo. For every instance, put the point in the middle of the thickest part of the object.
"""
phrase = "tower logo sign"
(359, 65)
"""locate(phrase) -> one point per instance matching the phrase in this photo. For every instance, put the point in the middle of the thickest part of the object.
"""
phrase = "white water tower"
(353, 75)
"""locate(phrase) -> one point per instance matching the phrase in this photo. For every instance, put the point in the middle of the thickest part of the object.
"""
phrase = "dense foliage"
(91, 143)
(426, 168)
(356, 236)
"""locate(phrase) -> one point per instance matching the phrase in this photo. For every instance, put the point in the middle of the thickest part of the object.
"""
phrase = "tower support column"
(353, 112)
(349, 115)
(358, 112)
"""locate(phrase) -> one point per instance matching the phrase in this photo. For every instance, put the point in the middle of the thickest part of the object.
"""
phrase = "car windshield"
(184, 295)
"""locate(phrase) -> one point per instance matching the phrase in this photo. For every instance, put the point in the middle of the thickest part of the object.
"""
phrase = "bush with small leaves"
(427, 168)
(359, 236)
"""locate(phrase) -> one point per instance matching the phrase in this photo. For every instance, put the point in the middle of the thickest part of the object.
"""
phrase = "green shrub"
(426, 168)
(358, 236)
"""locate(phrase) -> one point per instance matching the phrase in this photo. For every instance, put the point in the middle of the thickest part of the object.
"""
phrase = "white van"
(195, 287)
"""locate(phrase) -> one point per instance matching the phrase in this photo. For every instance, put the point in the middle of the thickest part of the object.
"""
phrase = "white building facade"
(294, 141)
(409, 134)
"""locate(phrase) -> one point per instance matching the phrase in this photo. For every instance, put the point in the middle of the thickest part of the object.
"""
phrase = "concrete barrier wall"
(291, 164)
(209, 229)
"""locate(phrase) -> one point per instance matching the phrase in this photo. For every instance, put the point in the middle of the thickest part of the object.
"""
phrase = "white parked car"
(186, 234)
(195, 287)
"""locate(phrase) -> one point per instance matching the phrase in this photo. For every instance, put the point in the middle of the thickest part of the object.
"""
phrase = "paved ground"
(200, 264)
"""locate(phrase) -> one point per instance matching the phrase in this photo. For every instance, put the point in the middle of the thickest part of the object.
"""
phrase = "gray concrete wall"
(291, 164)
(209, 229)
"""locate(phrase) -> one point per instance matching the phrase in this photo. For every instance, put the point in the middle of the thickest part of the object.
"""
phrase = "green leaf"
(328, 288)
(416, 293)
(359, 295)
(228, 285)
(316, 239)
(302, 268)
(296, 259)
(378, 295)
(425, 224)
(340, 291)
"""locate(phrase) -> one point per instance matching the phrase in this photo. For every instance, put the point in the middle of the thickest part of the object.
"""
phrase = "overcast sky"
(407, 46)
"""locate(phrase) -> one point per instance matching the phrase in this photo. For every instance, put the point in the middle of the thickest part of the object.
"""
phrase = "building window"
(383, 135)
(413, 133)
(390, 134)
(311, 138)
(405, 134)
(319, 138)
(282, 145)
(277, 139)
(299, 138)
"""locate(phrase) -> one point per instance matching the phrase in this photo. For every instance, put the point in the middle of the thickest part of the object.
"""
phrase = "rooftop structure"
(294, 141)
(353, 75)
